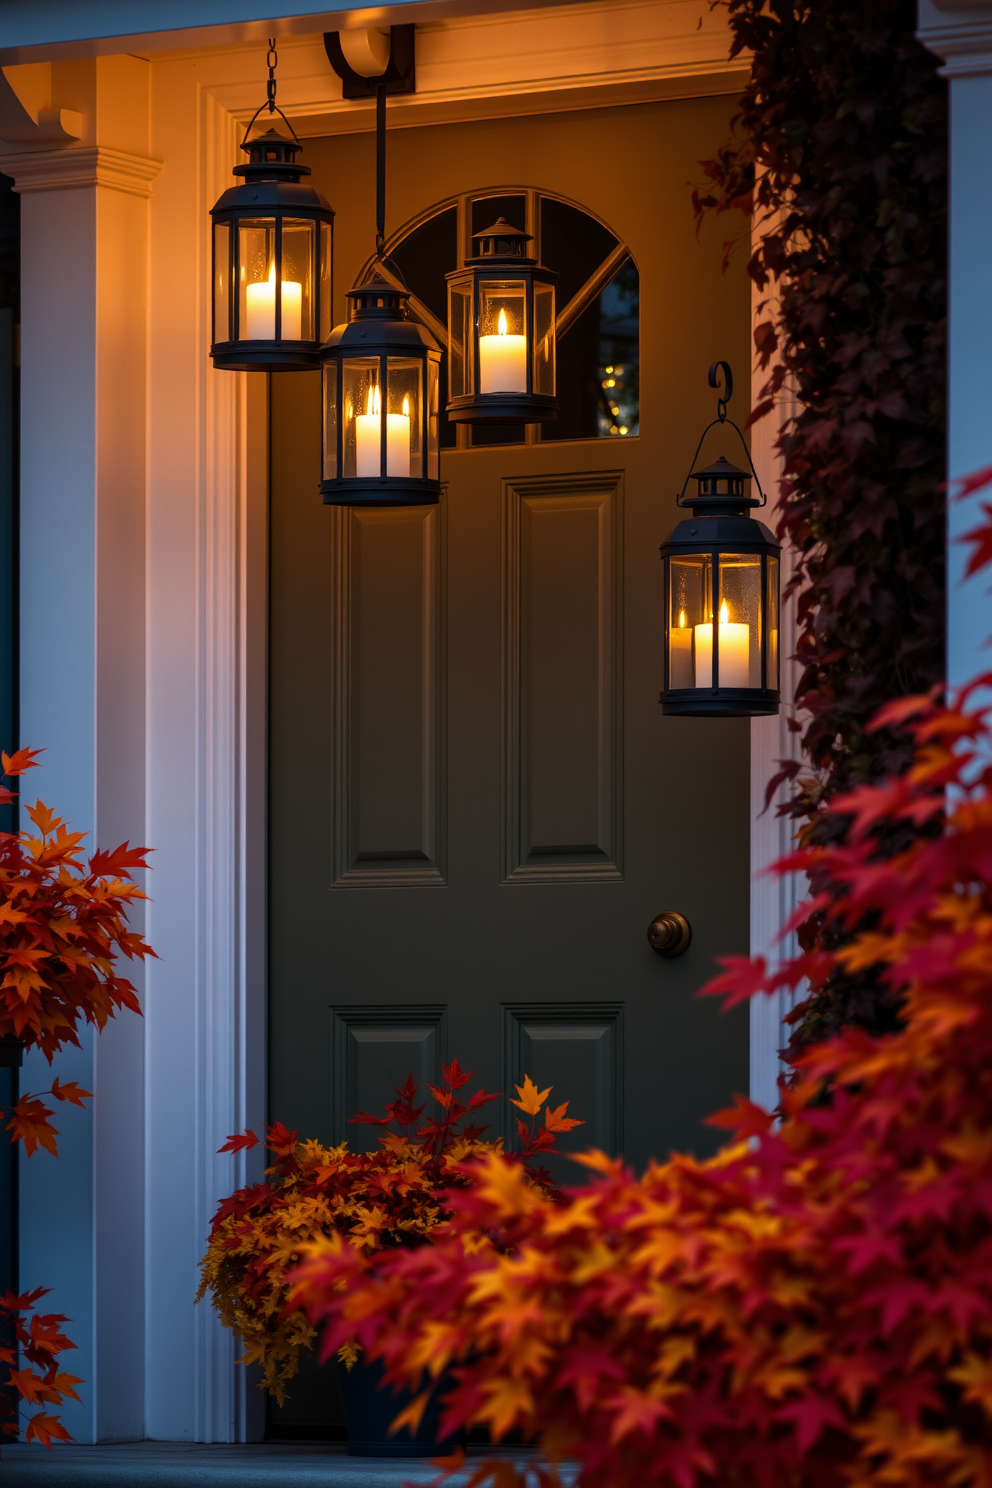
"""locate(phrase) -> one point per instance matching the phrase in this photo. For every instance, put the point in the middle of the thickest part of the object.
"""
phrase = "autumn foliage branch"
(63, 929)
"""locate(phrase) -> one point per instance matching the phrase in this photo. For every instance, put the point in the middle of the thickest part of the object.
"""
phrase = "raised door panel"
(562, 768)
(389, 676)
(373, 1050)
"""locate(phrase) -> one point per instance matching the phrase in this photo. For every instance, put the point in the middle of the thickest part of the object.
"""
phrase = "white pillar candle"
(680, 657)
(368, 438)
(260, 310)
(502, 361)
(735, 653)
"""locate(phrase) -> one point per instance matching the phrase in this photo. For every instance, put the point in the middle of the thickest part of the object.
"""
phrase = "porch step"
(186, 1465)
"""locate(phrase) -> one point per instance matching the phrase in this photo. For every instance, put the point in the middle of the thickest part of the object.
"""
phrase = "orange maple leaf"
(531, 1099)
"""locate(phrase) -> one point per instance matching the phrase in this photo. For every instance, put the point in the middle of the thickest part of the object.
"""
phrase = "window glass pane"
(771, 673)
(690, 628)
(329, 377)
(426, 255)
(740, 620)
(598, 366)
(502, 336)
(297, 280)
(256, 291)
(222, 282)
(404, 451)
(433, 461)
(459, 338)
(489, 209)
(544, 343)
(362, 417)
(326, 253)
(573, 244)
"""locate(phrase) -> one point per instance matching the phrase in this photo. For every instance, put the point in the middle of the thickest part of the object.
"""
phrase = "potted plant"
(395, 1197)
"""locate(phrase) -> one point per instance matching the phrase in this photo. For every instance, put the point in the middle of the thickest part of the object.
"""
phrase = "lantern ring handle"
(722, 421)
(713, 377)
(273, 108)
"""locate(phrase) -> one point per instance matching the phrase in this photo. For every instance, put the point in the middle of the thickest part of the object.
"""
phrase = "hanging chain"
(380, 170)
(271, 61)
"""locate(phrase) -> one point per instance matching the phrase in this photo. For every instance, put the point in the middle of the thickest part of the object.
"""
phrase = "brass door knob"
(669, 933)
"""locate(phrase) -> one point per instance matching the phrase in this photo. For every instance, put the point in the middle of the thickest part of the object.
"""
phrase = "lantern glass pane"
(690, 621)
(502, 336)
(460, 367)
(222, 281)
(325, 281)
(433, 453)
(298, 240)
(740, 620)
(257, 289)
(774, 625)
(362, 417)
(329, 381)
(404, 418)
(544, 339)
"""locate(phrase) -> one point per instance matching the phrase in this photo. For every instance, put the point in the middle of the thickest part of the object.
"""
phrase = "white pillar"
(960, 33)
(84, 214)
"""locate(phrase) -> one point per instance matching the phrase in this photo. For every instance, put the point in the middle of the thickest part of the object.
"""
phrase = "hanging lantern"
(722, 623)
(501, 333)
(272, 240)
(381, 377)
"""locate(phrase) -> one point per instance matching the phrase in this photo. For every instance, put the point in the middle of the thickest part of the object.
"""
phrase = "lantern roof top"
(501, 241)
(379, 299)
(720, 489)
(271, 157)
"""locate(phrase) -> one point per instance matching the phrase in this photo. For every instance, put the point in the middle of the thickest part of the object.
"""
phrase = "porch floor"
(187, 1465)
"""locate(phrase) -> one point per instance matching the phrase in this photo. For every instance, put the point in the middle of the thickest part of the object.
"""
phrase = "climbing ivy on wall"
(840, 154)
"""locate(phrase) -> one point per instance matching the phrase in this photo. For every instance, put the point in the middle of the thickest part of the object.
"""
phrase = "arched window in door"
(598, 307)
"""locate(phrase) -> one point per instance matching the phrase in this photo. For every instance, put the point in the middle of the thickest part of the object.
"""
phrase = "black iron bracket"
(400, 75)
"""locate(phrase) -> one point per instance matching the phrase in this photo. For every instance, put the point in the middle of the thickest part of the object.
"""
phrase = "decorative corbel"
(367, 59)
(27, 113)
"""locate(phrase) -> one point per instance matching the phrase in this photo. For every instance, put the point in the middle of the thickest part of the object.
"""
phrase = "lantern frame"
(380, 330)
(719, 530)
(499, 257)
(273, 193)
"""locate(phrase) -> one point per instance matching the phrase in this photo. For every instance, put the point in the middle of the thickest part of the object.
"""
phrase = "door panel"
(476, 805)
(563, 695)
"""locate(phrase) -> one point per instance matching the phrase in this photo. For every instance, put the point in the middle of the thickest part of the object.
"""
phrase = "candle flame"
(406, 407)
(724, 614)
(681, 619)
(272, 274)
(372, 402)
(501, 323)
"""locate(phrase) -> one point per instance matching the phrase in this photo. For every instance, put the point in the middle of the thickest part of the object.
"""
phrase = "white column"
(961, 34)
(84, 304)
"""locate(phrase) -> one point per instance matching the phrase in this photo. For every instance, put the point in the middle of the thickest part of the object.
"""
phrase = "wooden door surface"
(476, 805)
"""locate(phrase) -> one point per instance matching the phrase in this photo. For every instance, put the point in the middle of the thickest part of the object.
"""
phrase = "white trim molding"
(960, 33)
(80, 166)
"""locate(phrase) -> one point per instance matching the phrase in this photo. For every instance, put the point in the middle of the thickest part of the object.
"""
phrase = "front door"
(477, 807)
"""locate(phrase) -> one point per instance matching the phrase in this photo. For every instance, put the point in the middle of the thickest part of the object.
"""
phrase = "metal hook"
(713, 378)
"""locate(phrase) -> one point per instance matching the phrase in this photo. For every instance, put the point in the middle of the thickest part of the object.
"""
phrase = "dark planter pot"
(11, 1053)
(370, 1407)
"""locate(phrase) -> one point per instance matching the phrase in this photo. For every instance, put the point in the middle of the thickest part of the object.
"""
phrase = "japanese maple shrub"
(814, 1305)
(395, 1197)
(63, 930)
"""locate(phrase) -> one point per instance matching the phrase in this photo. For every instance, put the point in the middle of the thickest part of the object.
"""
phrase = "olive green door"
(476, 805)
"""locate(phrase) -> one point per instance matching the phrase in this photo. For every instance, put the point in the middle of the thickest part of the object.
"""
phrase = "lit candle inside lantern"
(368, 438)
(260, 310)
(680, 659)
(502, 361)
(735, 653)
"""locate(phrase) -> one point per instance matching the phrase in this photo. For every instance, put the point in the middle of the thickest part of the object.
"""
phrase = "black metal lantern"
(381, 377)
(722, 623)
(501, 333)
(272, 250)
